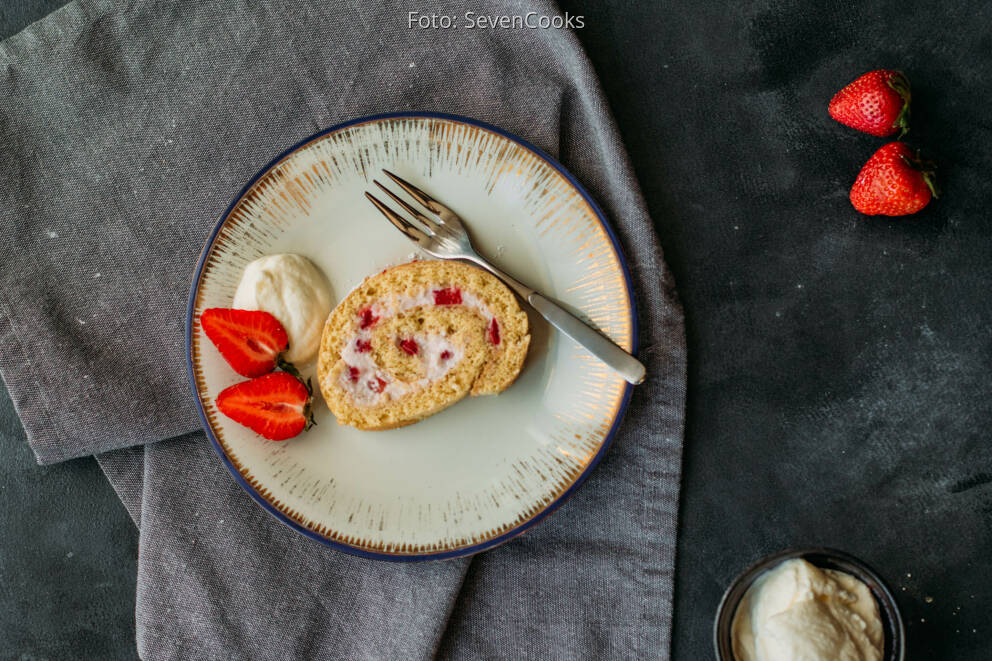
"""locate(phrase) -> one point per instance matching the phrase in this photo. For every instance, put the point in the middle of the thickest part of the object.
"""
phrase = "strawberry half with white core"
(249, 340)
(275, 406)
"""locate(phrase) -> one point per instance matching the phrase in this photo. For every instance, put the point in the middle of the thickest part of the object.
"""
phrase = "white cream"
(402, 303)
(797, 611)
(294, 291)
(438, 356)
(431, 348)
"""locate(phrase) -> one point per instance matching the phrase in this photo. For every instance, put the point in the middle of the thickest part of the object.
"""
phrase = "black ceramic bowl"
(895, 635)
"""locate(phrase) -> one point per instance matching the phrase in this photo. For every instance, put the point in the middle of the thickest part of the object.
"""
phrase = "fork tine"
(431, 225)
(411, 231)
(414, 192)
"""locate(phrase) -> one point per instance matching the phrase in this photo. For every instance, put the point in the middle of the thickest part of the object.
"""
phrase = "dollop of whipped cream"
(799, 611)
(294, 291)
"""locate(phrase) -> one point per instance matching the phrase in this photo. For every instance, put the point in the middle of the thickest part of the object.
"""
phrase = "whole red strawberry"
(876, 103)
(894, 182)
(276, 406)
(249, 340)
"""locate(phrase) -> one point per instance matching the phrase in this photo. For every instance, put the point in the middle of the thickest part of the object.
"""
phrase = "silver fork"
(444, 236)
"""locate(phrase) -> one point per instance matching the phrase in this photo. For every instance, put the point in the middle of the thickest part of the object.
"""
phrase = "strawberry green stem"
(900, 84)
(928, 178)
(927, 170)
(290, 369)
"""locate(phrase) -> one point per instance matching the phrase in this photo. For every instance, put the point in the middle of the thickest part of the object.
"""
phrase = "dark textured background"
(839, 388)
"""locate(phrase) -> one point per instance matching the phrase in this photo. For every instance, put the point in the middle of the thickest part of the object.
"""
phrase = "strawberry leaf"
(900, 84)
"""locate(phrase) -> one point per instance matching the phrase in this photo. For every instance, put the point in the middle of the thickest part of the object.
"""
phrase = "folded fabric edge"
(28, 395)
(641, 246)
(16, 369)
(125, 470)
(67, 19)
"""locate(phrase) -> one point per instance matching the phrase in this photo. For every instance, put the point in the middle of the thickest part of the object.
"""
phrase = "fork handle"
(591, 339)
(595, 342)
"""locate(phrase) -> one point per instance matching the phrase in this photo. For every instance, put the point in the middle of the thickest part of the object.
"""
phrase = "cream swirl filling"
(368, 383)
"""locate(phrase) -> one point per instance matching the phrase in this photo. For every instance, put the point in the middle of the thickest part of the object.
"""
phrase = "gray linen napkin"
(126, 129)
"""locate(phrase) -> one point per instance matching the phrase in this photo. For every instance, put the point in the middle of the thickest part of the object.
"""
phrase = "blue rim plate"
(426, 492)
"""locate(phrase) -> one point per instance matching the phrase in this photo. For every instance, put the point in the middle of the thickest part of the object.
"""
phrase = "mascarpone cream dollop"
(798, 611)
(294, 291)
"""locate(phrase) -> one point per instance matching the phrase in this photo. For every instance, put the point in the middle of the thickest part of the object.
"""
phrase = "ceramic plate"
(487, 468)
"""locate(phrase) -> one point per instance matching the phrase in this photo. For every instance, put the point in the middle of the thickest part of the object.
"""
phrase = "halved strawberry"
(249, 340)
(276, 406)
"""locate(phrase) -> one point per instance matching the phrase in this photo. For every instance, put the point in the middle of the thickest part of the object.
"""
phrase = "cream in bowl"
(799, 611)
(809, 605)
